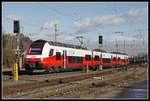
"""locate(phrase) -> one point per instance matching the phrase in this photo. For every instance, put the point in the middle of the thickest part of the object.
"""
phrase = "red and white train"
(47, 55)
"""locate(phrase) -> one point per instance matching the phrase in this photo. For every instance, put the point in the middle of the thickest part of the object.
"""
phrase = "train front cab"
(34, 57)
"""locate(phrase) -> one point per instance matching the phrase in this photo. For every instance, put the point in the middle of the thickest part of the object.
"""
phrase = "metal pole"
(18, 45)
(116, 53)
(116, 46)
(22, 29)
(18, 48)
(87, 68)
(101, 66)
(124, 46)
(55, 31)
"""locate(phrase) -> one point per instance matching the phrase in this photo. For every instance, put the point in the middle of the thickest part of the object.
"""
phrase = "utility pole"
(99, 44)
(22, 29)
(124, 43)
(116, 46)
(123, 39)
(55, 31)
(124, 46)
(17, 37)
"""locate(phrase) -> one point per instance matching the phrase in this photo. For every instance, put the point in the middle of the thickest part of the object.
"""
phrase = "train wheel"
(57, 69)
(50, 69)
(61, 69)
(28, 70)
(84, 68)
(94, 68)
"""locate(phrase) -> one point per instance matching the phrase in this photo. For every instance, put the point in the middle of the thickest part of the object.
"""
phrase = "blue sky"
(86, 19)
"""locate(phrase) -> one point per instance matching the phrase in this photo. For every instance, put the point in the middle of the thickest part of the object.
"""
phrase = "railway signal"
(17, 31)
(100, 39)
(100, 44)
(16, 26)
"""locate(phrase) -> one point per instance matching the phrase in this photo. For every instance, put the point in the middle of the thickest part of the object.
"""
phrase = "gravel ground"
(7, 79)
(106, 86)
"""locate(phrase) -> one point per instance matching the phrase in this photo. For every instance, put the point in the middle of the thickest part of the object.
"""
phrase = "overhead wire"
(62, 14)
(56, 11)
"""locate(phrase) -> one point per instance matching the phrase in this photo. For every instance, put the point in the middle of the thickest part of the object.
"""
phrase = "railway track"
(14, 89)
(25, 87)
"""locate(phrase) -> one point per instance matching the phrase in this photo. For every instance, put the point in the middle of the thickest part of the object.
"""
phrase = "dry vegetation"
(9, 46)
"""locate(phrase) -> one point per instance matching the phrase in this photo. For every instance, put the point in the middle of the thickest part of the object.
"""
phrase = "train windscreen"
(35, 51)
(36, 47)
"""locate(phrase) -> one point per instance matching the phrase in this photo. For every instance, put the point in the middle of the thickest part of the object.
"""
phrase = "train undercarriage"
(29, 68)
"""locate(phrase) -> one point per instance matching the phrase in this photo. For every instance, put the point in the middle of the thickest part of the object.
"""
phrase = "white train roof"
(75, 52)
(71, 51)
(81, 52)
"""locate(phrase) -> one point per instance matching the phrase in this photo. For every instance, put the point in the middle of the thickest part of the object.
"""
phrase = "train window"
(70, 59)
(35, 51)
(88, 57)
(36, 47)
(96, 58)
(38, 44)
(114, 58)
(79, 59)
(105, 60)
(58, 56)
(73, 59)
(51, 52)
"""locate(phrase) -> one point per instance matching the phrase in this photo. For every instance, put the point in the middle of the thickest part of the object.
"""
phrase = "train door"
(64, 58)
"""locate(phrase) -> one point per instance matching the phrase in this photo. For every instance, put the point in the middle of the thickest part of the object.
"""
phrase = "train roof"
(66, 45)
(99, 50)
(38, 43)
(41, 42)
(119, 53)
(60, 44)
